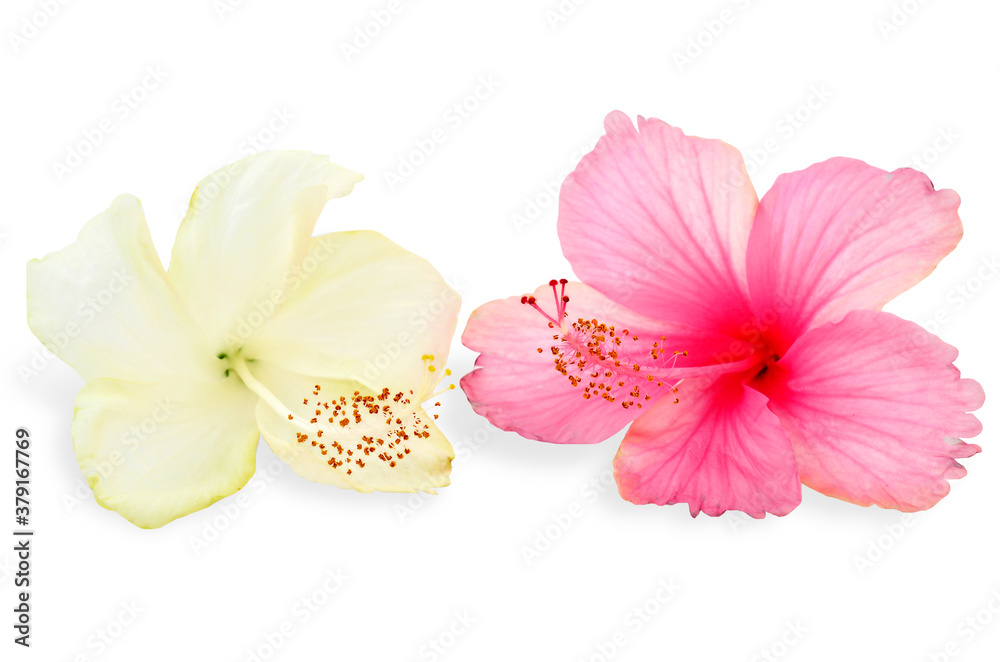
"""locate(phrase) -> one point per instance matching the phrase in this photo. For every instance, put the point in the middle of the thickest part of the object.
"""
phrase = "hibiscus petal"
(362, 309)
(659, 221)
(842, 235)
(104, 305)
(874, 407)
(246, 231)
(519, 388)
(718, 449)
(420, 462)
(155, 452)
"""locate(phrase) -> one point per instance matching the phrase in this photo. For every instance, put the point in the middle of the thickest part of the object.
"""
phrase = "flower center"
(351, 433)
(766, 361)
(616, 366)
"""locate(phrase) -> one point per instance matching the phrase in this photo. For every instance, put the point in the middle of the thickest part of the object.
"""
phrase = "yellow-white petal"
(155, 452)
(419, 462)
(104, 305)
(245, 232)
(364, 309)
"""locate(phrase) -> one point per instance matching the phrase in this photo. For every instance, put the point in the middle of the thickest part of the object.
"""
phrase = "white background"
(831, 581)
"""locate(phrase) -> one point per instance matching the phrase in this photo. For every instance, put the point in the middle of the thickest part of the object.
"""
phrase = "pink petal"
(718, 449)
(874, 407)
(519, 388)
(841, 236)
(659, 222)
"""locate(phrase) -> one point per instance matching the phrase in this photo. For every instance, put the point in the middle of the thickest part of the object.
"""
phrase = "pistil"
(615, 365)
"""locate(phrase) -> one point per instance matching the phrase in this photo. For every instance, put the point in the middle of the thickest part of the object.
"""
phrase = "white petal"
(104, 305)
(246, 230)
(155, 452)
(418, 463)
(363, 309)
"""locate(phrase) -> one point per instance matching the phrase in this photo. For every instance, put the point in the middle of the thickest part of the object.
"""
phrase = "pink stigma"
(560, 299)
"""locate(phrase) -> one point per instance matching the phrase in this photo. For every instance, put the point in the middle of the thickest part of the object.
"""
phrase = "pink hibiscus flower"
(744, 338)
